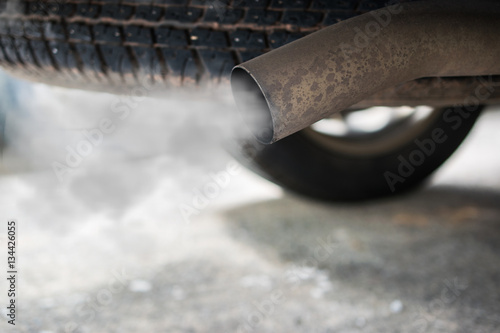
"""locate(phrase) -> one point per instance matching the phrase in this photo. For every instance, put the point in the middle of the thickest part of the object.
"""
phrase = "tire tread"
(188, 42)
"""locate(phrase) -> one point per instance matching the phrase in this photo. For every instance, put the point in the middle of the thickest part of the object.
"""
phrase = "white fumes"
(105, 174)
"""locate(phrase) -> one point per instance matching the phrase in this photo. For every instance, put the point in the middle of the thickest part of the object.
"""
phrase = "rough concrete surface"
(113, 247)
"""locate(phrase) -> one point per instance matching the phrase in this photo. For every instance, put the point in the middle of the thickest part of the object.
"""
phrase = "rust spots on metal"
(314, 77)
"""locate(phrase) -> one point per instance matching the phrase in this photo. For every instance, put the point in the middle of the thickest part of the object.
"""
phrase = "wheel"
(365, 155)
(112, 45)
(99, 45)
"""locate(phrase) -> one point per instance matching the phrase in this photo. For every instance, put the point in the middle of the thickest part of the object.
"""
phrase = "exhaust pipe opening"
(252, 105)
(294, 86)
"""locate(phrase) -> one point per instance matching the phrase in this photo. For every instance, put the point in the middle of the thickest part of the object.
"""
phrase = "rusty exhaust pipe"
(292, 87)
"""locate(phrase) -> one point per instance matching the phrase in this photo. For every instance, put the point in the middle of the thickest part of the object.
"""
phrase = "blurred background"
(156, 228)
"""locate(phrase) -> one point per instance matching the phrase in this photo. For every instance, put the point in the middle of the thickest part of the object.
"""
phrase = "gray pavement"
(113, 246)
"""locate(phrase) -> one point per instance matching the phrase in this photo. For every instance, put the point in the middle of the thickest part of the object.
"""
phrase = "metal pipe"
(437, 92)
(290, 88)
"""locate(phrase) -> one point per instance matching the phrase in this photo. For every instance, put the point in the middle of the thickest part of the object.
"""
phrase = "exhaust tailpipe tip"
(252, 104)
(294, 86)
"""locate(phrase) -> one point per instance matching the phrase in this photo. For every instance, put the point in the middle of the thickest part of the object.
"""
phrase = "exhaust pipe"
(292, 87)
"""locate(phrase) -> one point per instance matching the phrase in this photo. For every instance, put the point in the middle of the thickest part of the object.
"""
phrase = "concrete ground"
(124, 243)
